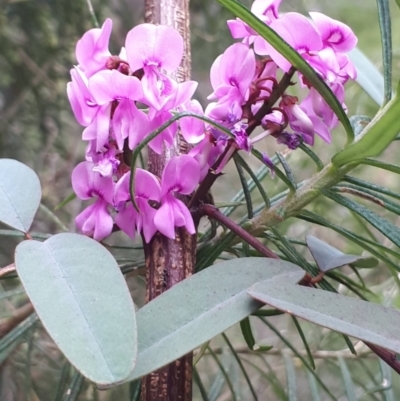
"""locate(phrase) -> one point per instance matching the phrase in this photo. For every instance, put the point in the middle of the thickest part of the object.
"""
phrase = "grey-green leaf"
(368, 76)
(327, 257)
(20, 194)
(199, 308)
(335, 311)
(82, 299)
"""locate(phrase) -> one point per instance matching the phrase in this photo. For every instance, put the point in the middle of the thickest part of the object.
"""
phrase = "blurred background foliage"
(37, 40)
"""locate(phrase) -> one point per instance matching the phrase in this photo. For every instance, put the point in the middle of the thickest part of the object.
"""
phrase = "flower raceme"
(121, 99)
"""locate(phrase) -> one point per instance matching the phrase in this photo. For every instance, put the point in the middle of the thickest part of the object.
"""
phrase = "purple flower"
(292, 141)
(128, 219)
(298, 119)
(300, 33)
(334, 33)
(83, 105)
(266, 10)
(268, 162)
(92, 49)
(181, 175)
(241, 138)
(95, 220)
(155, 48)
(128, 122)
(192, 129)
(231, 75)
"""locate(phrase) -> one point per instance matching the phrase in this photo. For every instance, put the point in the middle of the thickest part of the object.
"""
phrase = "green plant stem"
(288, 207)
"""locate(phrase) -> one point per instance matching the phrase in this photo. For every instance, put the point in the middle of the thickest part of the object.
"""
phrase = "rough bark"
(169, 261)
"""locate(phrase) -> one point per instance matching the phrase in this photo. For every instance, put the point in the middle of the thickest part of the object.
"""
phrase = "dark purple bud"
(292, 141)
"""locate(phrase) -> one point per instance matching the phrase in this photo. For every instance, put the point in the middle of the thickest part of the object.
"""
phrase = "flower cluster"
(322, 41)
(121, 100)
(104, 93)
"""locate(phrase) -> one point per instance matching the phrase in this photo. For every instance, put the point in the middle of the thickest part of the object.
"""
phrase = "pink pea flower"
(266, 10)
(92, 49)
(192, 128)
(181, 175)
(128, 122)
(157, 118)
(298, 119)
(128, 218)
(300, 33)
(82, 103)
(334, 34)
(231, 76)
(95, 220)
(155, 48)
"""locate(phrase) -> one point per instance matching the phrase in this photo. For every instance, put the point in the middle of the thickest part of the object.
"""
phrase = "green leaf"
(376, 137)
(312, 156)
(200, 307)
(81, 297)
(348, 381)
(242, 368)
(15, 336)
(385, 166)
(386, 38)
(245, 326)
(334, 311)
(200, 384)
(246, 192)
(255, 180)
(313, 387)
(293, 57)
(368, 76)
(290, 378)
(361, 184)
(224, 369)
(75, 387)
(388, 229)
(299, 356)
(20, 194)
(304, 340)
(327, 257)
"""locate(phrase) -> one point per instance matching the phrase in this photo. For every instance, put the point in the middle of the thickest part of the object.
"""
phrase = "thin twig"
(4, 271)
(17, 317)
(315, 354)
(214, 213)
(92, 14)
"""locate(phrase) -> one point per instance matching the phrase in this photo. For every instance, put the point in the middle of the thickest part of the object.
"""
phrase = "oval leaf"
(327, 257)
(20, 194)
(82, 299)
(337, 312)
(293, 57)
(199, 308)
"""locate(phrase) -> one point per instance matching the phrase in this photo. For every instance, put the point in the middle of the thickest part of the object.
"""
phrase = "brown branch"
(216, 214)
(4, 271)
(170, 261)
(17, 317)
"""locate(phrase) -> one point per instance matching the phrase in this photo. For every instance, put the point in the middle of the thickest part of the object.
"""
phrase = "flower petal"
(158, 45)
(334, 33)
(181, 174)
(95, 221)
(109, 85)
(92, 49)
